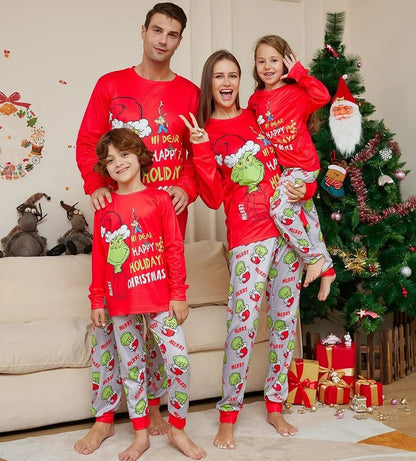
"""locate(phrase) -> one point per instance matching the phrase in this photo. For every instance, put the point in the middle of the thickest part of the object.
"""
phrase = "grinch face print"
(22, 138)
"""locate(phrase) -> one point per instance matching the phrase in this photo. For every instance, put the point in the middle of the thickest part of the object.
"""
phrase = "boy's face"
(123, 167)
(162, 38)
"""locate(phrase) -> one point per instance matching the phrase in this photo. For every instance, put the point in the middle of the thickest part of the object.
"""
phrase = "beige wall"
(77, 41)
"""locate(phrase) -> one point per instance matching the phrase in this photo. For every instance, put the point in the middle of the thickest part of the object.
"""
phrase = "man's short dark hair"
(169, 9)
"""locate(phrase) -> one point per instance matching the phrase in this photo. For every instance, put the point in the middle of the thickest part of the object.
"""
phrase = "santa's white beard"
(346, 133)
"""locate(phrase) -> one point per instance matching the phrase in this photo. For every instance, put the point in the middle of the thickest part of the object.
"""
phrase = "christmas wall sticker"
(22, 137)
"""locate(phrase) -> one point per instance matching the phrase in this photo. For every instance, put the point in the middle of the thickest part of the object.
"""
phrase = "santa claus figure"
(345, 120)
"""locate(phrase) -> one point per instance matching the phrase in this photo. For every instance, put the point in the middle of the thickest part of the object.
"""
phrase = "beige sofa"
(45, 333)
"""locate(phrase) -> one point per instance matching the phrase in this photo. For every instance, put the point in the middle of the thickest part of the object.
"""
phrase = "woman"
(237, 166)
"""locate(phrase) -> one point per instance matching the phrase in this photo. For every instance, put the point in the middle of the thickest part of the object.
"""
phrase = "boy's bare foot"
(281, 425)
(313, 271)
(181, 441)
(158, 426)
(225, 436)
(137, 448)
(95, 437)
(325, 287)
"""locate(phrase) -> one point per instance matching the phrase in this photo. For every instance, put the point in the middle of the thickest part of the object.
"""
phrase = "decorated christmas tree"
(370, 231)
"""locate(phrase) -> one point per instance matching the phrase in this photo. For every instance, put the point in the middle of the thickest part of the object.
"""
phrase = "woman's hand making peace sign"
(196, 135)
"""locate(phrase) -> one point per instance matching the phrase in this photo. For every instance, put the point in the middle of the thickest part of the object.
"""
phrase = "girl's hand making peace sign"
(196, 135)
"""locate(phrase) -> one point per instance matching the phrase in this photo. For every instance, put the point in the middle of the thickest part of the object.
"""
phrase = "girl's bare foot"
(225, 436)
(95, 437)
(281, 425)
(181, 441)
(158, 426)
(313, 271)
(325, 287)
(137, 448)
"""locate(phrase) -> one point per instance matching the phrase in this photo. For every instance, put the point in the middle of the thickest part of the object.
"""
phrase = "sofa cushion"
(207, 273)
(45, 344)
(205, 328)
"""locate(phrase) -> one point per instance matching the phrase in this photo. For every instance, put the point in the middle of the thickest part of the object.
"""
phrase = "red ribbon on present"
(13, 98)
(295, 382)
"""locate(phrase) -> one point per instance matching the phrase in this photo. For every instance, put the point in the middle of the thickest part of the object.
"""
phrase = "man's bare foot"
(313, 271)
(325, 287)
(158, 426)
(225, 436)
(281, 425)
(181, 441)
(95, 437)
(137, 448)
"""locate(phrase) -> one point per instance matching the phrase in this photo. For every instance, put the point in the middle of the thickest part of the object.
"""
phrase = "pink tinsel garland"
(357, 182)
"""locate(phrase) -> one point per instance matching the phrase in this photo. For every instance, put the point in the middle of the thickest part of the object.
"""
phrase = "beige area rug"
(321, 436)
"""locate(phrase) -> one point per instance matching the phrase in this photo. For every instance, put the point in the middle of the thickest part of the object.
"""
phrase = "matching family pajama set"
(124, 99)
(138, 266)
(282, 114)
(238, 167)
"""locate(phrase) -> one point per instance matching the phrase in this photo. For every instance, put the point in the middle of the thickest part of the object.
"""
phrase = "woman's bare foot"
(225, 436)
(313, 271)
(281, 425)
(325, 287)
(95, 437)
(181, 441)
(158, 426)
(137, 448)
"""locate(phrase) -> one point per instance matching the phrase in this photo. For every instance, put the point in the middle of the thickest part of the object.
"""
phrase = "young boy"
(138, 267)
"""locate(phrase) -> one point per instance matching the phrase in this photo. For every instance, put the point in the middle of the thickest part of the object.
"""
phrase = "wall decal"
(22, 138)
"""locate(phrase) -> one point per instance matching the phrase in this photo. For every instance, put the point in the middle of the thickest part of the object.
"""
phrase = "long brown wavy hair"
(206, 99)
(283, 48)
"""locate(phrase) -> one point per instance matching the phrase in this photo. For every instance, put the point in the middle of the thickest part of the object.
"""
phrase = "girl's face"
(269, 66)
(225, 84)
(124, 168)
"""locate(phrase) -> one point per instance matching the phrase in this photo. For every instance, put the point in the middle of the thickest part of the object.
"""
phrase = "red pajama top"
(124, 99)
(283, 114)
(238, 167)
(138, 262)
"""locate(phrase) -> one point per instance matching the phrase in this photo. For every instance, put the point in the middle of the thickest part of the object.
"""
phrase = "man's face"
(162, 37)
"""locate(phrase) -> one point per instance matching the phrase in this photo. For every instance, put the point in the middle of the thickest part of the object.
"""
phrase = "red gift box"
(303, 382)
(337, 359)
(330, 392)
(372, 390)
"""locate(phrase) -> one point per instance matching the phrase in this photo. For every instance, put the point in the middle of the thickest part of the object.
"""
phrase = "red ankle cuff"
(106, 418)
(140, 423)
(179, 423)
(273, 407)
(153, 402)
(328, 273)
(228, 416)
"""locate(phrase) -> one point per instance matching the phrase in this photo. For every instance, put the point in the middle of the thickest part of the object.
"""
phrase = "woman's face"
(225, 84)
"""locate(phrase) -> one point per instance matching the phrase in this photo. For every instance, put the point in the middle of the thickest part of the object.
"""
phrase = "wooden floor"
(397, 418)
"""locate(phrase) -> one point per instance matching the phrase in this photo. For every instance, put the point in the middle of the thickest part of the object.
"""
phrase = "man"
(146, 98)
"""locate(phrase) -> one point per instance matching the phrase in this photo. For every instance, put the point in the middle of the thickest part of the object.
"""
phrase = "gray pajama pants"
(308, 243)
(123, 355)
(267, 267)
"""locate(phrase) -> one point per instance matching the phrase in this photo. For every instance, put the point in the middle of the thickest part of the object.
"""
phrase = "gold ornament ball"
(403, 401)
(370, 410)
(331, 405)
(313, 409)
(288, 405)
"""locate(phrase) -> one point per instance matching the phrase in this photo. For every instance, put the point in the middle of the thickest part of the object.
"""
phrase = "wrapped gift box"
(372, 390)
(303, 382)
(337, 359)
(329, 392)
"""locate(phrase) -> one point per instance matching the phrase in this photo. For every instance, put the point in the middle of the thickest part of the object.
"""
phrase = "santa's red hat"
(343, 93)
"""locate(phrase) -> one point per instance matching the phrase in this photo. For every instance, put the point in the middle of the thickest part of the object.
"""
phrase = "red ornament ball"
(336, 216)
(400, 175)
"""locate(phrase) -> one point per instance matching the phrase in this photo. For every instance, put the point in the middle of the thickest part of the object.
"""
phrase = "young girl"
(236, 166)
(284, 101)
(138, 267)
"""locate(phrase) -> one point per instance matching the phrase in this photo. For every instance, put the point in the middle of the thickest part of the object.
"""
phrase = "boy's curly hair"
(123, 139)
